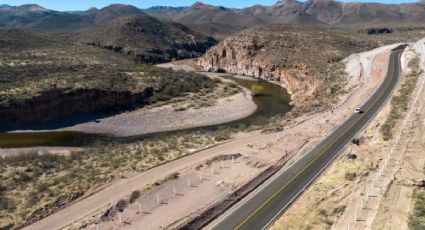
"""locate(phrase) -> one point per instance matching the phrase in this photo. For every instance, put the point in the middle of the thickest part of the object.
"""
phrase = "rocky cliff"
(245, 56)
(59, 103)
(305, 60)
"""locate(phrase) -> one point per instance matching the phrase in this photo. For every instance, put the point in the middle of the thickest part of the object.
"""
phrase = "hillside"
(220, 21)
(339, 13)
(53, 78)
(38, 18)
(200, 13)
(286, 12)
(164, 12)
(147, 39)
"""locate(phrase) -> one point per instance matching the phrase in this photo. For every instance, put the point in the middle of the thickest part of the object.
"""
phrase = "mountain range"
(326, 12)
(42, 19)
(220, 20)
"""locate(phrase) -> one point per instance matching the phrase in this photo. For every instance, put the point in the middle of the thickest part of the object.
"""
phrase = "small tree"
(257, 90)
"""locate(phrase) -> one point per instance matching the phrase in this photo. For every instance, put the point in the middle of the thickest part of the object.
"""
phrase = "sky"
(68, 5)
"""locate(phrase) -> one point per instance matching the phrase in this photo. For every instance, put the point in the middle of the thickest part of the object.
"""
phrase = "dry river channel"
(274, 100)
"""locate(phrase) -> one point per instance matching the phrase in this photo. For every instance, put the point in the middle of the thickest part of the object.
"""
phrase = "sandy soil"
(258, 150)
(166, 118)
(40, 150)
(379, 194)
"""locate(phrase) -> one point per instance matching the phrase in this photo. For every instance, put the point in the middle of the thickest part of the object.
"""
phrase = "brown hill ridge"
(221, 21)
(147, 39)
(310, 12)
(41, 19)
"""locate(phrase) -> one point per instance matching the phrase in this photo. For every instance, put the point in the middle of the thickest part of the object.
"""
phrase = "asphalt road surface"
(259, 209)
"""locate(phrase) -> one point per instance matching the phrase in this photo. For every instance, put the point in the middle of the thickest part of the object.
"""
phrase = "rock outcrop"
(306, 61)
(59, 103)
(240, 55)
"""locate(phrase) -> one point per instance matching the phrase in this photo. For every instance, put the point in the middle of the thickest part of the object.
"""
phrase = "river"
(273, 100)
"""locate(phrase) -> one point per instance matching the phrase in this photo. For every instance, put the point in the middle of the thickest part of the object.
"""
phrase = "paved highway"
(259, 209)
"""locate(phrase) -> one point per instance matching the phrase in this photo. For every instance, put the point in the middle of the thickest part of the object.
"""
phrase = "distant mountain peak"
(34, 8)
(120, 6)
(93, 9)
(322, 2)
(202, 6)
(287, 2)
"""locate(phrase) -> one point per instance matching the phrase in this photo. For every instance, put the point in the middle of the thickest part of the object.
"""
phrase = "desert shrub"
(339, 210)
(222, 136)
(174, 84)
(134, 196)
(6, 203)
(350, 175)
(417, 217)
(121, 205)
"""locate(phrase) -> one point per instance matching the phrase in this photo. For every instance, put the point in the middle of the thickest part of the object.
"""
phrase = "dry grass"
(400, 102)
(321, 207)
(47, 182)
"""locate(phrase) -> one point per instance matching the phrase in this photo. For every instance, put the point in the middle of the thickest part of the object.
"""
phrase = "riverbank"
(169, 117)
(39, 150)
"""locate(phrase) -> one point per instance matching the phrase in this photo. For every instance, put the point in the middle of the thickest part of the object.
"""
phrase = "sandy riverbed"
(166, 118)
(40, 150)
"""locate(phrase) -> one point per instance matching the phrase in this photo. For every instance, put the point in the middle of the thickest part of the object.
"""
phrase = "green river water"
(272, 101)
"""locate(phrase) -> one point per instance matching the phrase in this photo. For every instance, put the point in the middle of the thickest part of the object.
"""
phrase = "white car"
(358, 111)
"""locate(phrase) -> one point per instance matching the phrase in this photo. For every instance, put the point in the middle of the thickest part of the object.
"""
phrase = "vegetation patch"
(417, 218)
(50, 71)
(33, 186)
(323, 206)
(400, 102)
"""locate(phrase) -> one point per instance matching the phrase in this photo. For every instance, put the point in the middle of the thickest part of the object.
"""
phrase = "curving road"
(269, 201)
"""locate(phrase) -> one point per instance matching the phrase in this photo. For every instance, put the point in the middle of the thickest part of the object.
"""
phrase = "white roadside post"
(174, 191)
(140, 208)
(157, 199)
(188, 183)
(119, 219)
(97, 226)
(212, 169)
(233, 160)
